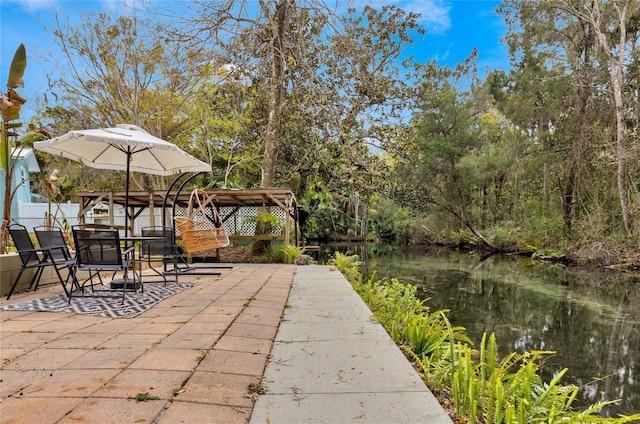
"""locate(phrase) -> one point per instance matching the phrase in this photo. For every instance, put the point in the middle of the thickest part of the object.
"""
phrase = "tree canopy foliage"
(374, 143)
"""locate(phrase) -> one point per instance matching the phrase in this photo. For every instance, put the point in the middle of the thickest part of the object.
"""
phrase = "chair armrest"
(60, 246)
(34, 250)
(42, 255)
(128, 251)
(64, 249)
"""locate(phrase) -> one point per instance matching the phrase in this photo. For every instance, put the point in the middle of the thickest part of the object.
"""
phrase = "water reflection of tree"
(591, 319)
(529, 306)
(620, 361)
(595, 339)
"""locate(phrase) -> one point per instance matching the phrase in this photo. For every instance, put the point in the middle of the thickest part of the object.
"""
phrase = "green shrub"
(349, 266)
(482, 388)
(273, 254)
(504, 237)
(290, 253)
(548, 230)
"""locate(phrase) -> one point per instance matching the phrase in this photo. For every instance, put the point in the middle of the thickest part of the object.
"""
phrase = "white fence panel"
(34, 214)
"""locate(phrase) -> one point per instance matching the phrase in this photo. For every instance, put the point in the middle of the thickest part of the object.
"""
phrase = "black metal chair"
(162, 250)
(98, 250)
(39, 259)
(52, 238)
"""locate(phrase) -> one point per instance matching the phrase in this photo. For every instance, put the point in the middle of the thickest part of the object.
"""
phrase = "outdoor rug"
(103, 303)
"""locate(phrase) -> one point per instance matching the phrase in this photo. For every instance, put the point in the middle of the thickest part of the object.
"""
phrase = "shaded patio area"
(238, 209)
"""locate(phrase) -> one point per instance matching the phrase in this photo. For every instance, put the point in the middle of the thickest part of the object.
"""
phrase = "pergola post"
(152, 212)
(112, 221)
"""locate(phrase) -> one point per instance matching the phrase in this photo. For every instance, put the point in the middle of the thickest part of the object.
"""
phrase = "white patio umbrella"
(123, 148)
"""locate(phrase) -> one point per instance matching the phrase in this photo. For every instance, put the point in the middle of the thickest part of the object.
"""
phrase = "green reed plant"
(481, 387)
(349, 266)
(290, 252)
(273, 254)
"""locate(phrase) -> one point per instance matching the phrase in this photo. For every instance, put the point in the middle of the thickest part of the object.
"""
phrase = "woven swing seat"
(201, 229)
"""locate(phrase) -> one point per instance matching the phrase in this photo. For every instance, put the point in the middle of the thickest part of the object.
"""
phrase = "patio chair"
(163, 250)
(99, 250)
(94, 226)
(38, 259)
(52, 238)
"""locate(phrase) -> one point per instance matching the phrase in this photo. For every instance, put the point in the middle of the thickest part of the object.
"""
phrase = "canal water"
(591, 319)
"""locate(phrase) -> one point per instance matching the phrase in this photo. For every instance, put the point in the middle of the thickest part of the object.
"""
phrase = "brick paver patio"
(190, 358)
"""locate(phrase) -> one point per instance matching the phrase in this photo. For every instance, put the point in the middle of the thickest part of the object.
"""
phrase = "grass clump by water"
(349, 266)
(473, 383)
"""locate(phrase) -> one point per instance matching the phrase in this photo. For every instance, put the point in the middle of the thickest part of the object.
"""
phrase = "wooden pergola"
(229, 202)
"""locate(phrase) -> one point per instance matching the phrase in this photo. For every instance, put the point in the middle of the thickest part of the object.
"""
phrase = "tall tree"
(550, 93)
(278, 16)
(615, 26)
(263, 27)
(329, 87)
(121, 69)
(448, 136)
(364, 96)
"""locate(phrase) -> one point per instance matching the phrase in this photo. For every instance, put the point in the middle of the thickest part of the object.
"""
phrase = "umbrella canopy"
(123, 148)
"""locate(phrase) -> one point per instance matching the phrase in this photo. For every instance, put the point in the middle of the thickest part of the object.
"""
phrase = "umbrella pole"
(126, 196)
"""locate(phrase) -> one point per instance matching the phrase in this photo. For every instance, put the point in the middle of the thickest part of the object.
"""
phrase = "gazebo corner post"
(82, 219)
(287, 224)
(296, 223)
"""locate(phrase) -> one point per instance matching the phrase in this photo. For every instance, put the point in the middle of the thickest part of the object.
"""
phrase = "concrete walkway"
(192, 357)
(332, 364)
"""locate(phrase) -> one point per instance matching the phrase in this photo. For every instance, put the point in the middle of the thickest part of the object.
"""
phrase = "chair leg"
(96, 274)
(74, 281)
(124, 286)
(164, 278)
(35, 281)
(89, 280)
(15, 283)
(75, 284)
(175, 268)
(63, 282)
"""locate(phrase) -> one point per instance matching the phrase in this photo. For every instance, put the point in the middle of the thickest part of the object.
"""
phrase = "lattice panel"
(243, 221)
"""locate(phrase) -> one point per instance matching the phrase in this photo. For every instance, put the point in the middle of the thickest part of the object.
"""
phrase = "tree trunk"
(621, 154)
(516, 194)
(580, 140)
(279, 23)
(615, 63)
(279, 26)
(6, 207)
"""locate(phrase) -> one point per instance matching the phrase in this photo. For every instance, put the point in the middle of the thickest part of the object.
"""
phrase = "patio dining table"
(129, 241)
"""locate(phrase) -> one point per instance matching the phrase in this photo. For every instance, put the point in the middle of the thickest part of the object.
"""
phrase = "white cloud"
(123, 6)
(434, 14)
(34, 5)
(117, 6)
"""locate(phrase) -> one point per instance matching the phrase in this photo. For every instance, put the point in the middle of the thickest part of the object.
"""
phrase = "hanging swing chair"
(201, 229)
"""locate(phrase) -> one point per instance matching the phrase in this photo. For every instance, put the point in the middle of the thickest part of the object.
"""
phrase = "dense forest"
(281, 93)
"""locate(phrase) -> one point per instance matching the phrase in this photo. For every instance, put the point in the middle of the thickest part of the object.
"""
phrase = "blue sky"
(453, 28)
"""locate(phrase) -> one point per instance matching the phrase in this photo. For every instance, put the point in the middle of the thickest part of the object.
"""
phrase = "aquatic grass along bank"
(473, 384)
